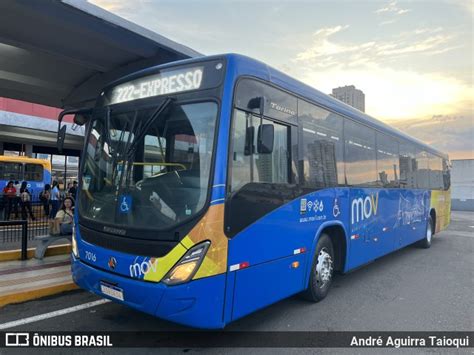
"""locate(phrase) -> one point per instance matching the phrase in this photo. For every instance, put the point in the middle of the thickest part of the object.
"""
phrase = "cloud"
(392, 8)
(324, 51)
(432, 106)
(452, 134)
(388, 22)
(467, 5)
(403, 11)
(391, 93)
(148, 13)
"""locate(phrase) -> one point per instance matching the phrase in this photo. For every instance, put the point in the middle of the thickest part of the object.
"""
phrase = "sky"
(412, 59)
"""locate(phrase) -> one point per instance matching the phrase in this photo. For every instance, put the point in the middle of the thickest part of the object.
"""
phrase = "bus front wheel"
(322, 270)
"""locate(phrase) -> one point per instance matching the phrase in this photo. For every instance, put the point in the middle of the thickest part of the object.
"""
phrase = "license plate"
(112, 291)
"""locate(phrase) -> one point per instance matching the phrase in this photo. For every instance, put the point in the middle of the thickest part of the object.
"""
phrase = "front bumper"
(198, 303)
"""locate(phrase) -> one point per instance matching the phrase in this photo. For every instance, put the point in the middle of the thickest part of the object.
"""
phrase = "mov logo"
(139, 269)
(364, 208)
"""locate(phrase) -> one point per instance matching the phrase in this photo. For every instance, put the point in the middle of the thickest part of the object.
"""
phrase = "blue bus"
(36, 172)
(216, 186)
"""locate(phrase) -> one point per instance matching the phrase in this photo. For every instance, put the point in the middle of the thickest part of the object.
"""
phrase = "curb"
(29, 295)
(10, 255)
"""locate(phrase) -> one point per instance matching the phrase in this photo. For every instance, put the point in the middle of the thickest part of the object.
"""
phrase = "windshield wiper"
(143, 129)
(107, 131)
(122, 152)
(146, 125)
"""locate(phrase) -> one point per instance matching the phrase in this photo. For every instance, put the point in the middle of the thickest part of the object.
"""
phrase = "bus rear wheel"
(322, 270)
(426, 242)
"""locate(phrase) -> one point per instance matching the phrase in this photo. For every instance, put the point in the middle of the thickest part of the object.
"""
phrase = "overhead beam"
(85, 94)
(63, 52)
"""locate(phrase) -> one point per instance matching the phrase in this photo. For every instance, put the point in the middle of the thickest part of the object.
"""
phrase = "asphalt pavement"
(410, 290)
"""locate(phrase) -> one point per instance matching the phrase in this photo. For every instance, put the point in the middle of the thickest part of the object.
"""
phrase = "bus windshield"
(148, 168)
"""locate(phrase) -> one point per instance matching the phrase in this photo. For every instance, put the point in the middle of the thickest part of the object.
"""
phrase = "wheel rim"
(324, 268)
(429, 232)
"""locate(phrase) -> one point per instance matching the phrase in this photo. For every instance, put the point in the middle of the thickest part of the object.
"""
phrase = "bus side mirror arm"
(61, 138)
(257, 102)
(81, 117)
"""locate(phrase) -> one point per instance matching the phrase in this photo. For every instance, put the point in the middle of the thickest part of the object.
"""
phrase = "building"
(462, 185)
(44, 70)
(351, 96)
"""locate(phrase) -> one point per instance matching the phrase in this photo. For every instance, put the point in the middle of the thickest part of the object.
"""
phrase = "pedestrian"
(73, 190)
(25, 201)
(45, 197)
(2, 206)
(65, 216)
(16, 202)
(55, 197)
(9, 193)
(68, 187)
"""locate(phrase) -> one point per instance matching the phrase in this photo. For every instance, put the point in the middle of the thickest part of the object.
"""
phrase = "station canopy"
(61, 53)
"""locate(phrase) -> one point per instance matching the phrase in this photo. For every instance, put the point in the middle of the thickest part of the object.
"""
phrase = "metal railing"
(14, 230)
(20, 223)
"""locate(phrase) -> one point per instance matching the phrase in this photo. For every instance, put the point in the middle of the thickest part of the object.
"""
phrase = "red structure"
(27, 108)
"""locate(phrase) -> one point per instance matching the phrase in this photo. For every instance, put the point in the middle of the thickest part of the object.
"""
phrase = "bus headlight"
(187, 266)
(75, 251)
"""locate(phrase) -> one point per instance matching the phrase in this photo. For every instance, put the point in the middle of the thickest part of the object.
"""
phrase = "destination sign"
(170, 82)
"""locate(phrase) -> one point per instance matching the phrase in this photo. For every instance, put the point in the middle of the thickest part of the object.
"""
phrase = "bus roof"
(21, 159)
(243, 65)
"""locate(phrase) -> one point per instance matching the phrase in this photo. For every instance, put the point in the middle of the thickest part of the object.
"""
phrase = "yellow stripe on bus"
(165, 263)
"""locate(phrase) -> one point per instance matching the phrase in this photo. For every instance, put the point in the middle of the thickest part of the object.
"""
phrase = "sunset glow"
(412, 59)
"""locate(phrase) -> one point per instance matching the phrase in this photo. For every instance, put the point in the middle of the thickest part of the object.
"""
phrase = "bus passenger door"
(262, 217)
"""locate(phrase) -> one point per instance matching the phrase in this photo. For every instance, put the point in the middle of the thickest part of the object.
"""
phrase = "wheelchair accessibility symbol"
(335, 210)
(125, 204)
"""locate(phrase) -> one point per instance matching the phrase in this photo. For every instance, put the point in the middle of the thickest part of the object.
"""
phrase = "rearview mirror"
(265, 139)
(61, 138)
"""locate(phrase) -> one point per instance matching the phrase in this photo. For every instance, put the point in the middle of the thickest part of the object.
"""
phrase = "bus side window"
(11, 171)
(259, 182)
(360, 158)
(240, 160)
(408, 166)
(423, 170)
(387, 161)
(321, 146)
(33, 172)
(254, 167)
(436, 172)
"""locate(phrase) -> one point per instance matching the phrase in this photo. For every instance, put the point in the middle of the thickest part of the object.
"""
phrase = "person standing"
(69, 185)
(45, 196)
(25, 201)
(73, 190)
(55, 197)
(9, 193)
(17, 201)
